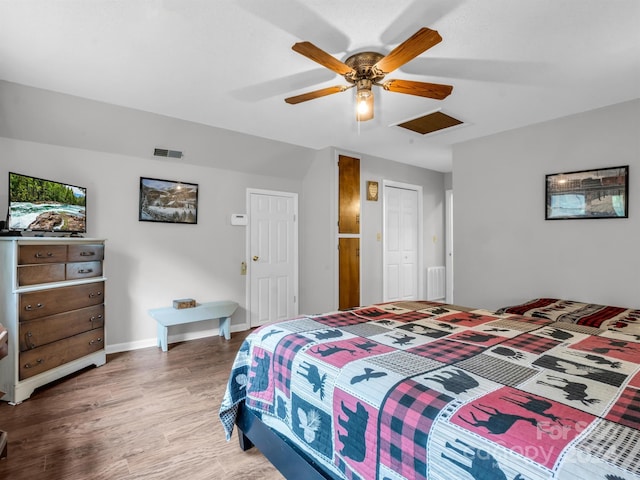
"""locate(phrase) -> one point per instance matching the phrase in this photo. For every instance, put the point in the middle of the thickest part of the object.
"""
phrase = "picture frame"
(168, 201)
(586, 194)
(372, 191)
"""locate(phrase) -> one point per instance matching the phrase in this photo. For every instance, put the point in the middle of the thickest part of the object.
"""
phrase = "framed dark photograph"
(601, 193)
(168, 201)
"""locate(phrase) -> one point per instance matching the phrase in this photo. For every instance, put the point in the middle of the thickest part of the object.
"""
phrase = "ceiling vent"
(430, 123)
(161, 152)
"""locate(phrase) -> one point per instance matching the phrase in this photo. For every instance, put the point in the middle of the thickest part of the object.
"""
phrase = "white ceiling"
(229, 64)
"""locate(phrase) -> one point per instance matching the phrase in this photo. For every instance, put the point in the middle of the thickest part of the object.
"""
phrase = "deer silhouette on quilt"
(573, 390)
(498, 422)
(533, 404)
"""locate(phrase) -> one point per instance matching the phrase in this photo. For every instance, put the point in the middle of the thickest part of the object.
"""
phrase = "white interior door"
(401, 237)
(273, 256)
(449, 246)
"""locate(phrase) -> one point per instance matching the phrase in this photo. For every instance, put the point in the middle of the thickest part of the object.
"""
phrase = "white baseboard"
(180, 337)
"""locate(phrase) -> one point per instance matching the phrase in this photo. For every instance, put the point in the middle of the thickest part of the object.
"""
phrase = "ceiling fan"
(366, 69)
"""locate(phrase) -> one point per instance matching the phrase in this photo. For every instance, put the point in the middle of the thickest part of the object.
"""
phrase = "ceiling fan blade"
(318, 55)
(419, 42)
(317, 94)
(436, 91)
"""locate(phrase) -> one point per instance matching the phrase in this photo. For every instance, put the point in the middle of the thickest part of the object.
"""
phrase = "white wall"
(505, 251)
(150, 264)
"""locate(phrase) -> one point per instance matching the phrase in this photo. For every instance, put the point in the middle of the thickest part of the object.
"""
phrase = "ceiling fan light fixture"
(364, 101)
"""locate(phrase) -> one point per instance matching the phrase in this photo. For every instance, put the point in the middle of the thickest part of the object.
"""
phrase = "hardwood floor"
(144, 415)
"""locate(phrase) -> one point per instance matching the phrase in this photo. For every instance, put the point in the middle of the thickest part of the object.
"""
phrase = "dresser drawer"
(38, 360)
(36, 333)
(79, 270)
(35, 254)
(85, 253)
(35, 274)
(43, 303)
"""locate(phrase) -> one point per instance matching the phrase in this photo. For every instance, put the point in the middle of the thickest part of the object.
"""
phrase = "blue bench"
(169, 316)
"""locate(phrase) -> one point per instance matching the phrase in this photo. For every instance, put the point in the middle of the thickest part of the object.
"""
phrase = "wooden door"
(348, 232)
(348, 194)
(349, 261)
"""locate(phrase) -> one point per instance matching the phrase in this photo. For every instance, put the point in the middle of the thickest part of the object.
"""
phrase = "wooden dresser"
(52, 294)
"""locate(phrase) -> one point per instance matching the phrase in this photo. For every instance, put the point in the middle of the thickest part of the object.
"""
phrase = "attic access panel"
(430, 123)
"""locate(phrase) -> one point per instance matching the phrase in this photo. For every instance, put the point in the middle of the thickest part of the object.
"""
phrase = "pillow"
(580, 313)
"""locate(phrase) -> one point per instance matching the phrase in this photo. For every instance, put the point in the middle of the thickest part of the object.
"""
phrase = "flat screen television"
(40, 205)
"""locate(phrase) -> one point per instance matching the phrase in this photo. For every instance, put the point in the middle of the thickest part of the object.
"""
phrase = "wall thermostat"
(238, 219)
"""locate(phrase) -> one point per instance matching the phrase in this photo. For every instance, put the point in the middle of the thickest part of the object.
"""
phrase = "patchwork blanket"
(422, 390)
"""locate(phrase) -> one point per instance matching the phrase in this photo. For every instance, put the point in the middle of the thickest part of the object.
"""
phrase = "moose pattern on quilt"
(424, 390)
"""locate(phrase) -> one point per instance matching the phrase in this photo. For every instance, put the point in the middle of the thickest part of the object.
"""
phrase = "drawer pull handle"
(85, 270)
(95, 294)
(87, 253)
(28, 340)
(95, 317)
(38, 361)
(97, 340)
(31, 307)
(43, 255)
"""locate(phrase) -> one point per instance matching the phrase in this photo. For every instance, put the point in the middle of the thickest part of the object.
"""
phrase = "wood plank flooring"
(144, 415)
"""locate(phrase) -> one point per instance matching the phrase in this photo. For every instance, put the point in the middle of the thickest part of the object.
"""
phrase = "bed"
(426, 390)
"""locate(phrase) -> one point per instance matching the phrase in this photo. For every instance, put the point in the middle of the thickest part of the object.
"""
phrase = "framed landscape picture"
(601, 193)
(168, 201)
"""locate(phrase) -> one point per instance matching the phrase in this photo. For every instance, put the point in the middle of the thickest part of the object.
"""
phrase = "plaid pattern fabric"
(531, 343)
(342, 319)
(391, 392)
(446, 351)
(283, 358)
(405, 422)
(410, 316)
(626, 410)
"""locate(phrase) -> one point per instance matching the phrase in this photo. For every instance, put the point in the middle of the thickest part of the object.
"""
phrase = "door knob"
(255, 258)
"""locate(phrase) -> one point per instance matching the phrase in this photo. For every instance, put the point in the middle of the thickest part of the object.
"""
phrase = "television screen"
(45, 206)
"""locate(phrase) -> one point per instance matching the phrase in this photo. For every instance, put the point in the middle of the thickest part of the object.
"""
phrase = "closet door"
(348, 232)
(401, 240)
(348, 195)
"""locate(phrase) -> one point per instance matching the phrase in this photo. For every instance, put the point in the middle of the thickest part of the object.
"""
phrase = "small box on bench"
(184, 303)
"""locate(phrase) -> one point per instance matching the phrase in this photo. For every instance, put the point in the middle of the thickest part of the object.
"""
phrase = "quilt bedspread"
(423, 390)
